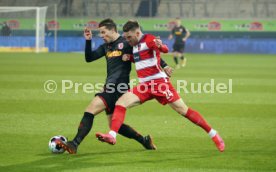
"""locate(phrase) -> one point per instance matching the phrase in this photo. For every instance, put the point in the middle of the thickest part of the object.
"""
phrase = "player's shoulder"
(183, 27)
(148, 37)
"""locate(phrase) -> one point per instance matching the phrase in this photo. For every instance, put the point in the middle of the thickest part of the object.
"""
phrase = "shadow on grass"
(105, 159)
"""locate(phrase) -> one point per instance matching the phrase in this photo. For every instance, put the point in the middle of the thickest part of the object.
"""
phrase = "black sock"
(84, 127)
(182, 57)
(129, 132)
(175, 60)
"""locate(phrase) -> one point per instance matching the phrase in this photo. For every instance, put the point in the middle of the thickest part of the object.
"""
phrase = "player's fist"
(87, 34)
(126, 57)
(168, 70)
(158, 41)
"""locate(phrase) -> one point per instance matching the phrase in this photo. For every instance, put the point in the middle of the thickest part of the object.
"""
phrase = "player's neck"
(140, 36)
(115, 37)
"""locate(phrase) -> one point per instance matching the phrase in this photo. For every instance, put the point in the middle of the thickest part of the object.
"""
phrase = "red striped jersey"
(146, 56)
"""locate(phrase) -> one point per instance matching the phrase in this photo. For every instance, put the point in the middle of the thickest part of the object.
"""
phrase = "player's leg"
(95, 107)
(183, 59)
(125, 101)
(180, 107)
(129, 132)
(175, 56)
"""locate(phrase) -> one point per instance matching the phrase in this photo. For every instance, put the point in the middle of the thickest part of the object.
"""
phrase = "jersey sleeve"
(184, 29)
(150, 42)
(152, 45)
(93, 55)
(127, 48)
(163, 64)
(164, 49)
(173, 30)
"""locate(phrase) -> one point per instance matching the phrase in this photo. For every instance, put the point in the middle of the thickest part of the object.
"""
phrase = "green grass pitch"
(246, 119)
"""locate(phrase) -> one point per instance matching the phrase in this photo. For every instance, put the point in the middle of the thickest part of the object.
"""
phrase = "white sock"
(112, 133)
(212, 133)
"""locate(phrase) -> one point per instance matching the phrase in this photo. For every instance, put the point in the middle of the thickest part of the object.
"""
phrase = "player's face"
(106, 35)
(178, 22)
(131, 37)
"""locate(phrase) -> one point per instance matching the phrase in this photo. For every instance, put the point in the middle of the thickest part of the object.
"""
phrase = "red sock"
(197, 119)
(118, 118)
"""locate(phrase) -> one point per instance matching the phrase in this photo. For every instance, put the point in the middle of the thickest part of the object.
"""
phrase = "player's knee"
(181, 110)
(95, 107)
(121, 102)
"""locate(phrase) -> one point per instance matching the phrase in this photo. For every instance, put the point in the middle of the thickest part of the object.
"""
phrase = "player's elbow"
(166, 50)
(88, 58)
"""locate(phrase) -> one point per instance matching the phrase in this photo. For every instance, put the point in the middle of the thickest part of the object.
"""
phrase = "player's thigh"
(179, 106)
(128, 100)
(175, 54)
(96, 106)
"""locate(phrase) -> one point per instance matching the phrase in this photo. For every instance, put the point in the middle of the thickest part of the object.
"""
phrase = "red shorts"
(161, 90)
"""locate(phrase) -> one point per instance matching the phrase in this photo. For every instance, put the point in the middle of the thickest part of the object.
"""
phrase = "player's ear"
(137, 33)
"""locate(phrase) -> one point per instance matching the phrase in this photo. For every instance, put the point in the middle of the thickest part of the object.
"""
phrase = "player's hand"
(87, 34)
(126, 57)
(184, 39)
(158, 42)
(168, 70)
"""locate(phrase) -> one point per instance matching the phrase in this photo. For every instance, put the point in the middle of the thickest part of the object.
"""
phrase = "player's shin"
(117, 119)
(197, 119)
(84, 127)
(131, 133)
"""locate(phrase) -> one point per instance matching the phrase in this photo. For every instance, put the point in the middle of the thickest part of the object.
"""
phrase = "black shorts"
(110, 96)
(179, 47)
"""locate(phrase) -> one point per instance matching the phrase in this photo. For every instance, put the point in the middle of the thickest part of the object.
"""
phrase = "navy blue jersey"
(179, 33)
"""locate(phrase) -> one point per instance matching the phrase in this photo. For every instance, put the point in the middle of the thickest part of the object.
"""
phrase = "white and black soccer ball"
(53, 147)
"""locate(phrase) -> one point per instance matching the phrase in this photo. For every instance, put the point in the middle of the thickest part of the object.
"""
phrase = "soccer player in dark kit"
(180, 35)
(117, 74)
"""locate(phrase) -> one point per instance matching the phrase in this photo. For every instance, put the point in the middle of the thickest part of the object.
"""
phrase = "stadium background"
(230, 40)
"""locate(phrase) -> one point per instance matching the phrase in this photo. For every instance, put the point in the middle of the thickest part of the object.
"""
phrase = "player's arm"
(188, 34)
(93, 55)
(171, 35)
(89, 54)
(167, 69)
(162, 48)
(128, 52)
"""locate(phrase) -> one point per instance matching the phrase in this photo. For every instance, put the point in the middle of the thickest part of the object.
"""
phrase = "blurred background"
(216, 26)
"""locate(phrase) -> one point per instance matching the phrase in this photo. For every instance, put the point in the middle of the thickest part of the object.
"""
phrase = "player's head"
(132, 32)
(108, 30)
(178, 21)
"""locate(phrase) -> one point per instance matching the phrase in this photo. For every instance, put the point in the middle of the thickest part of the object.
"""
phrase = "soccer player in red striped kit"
(153, 83)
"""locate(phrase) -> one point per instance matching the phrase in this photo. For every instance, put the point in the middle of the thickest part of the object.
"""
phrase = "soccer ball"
(53, 147)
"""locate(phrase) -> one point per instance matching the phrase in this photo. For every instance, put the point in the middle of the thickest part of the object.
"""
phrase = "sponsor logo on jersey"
(115, 53)
(177, 33)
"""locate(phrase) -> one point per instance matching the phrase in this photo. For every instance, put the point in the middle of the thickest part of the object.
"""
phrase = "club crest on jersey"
(120, 46)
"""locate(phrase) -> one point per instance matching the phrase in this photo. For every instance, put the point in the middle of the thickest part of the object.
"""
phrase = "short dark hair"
(131, 25)
(109, 24)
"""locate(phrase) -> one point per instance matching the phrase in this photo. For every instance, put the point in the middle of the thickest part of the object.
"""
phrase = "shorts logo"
(120, 46)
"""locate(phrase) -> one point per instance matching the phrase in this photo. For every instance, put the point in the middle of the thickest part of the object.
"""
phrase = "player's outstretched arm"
(89, 54)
